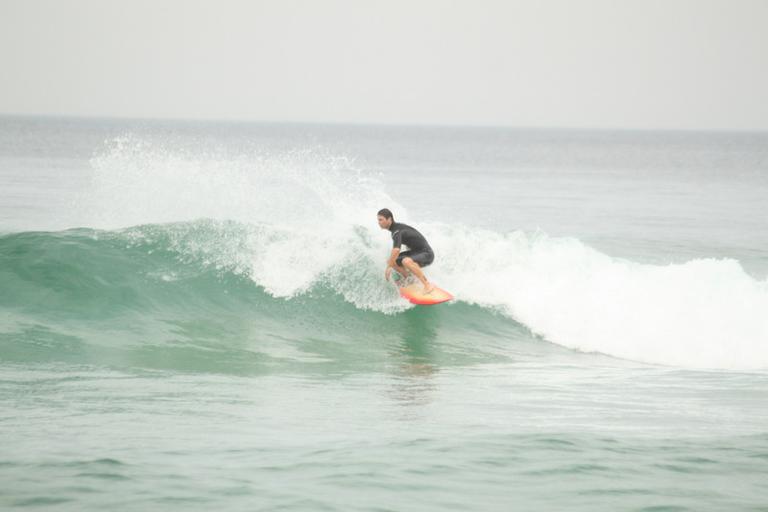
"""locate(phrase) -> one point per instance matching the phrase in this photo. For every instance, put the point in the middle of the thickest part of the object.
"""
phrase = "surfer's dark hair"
(384, 212)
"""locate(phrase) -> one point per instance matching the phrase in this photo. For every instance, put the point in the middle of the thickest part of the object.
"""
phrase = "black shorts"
(423, 258)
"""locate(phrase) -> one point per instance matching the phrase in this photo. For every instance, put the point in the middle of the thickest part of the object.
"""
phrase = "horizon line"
(222, 120)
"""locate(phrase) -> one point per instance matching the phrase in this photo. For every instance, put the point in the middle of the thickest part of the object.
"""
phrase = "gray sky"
(690, 64)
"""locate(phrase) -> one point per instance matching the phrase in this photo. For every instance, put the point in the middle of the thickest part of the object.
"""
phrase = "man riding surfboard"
(418, 255)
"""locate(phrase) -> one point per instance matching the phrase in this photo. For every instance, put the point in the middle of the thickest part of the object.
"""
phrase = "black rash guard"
(419, 250)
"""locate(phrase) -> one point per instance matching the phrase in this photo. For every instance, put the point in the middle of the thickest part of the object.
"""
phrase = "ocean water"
(193, 316)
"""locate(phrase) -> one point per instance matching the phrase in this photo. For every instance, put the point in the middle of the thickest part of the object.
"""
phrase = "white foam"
(704, 313)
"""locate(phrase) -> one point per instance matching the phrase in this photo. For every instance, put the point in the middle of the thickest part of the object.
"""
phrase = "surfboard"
(413, 292)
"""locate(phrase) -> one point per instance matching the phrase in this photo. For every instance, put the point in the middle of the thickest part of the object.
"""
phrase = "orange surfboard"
(413, 292)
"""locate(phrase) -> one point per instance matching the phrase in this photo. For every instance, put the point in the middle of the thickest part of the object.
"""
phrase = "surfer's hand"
(387, 273)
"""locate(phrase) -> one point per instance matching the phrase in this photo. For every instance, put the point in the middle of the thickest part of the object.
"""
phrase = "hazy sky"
(697, 64)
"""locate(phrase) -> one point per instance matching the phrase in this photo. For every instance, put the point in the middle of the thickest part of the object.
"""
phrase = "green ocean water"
(196, 318)
(129, 299)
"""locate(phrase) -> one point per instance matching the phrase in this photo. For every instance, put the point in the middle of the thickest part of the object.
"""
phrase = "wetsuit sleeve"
(397, 239)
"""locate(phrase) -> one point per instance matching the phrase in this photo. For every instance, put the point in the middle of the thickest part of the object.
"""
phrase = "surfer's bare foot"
(428, 288)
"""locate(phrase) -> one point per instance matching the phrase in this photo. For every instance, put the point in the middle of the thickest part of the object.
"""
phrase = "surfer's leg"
(401, 270)
(416, 269)
(399, 264)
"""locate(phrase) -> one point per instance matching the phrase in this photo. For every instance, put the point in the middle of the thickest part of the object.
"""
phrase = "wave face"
(214, 247)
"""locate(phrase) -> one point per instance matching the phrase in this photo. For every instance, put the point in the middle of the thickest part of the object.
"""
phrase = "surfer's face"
(384, 222)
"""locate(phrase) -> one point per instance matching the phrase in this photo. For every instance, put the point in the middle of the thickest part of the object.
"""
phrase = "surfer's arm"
(391, 262)
(397, 241)
(393, 257)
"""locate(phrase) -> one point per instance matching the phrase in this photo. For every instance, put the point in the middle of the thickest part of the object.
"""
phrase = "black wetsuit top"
(419, 249)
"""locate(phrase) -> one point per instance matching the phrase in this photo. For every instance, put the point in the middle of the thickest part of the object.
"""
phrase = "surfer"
(418, 255)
